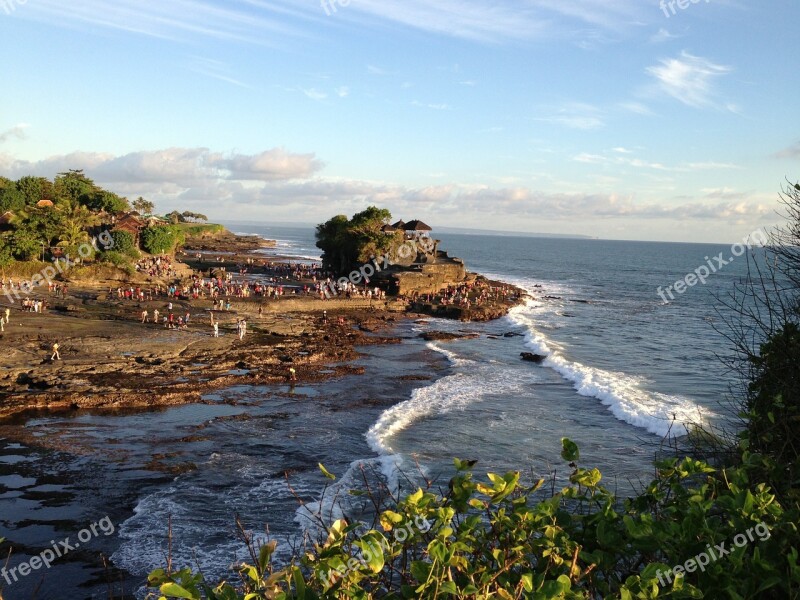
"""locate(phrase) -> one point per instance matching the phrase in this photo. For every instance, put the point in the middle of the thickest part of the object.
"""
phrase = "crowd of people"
(157, 266)
(467, 295)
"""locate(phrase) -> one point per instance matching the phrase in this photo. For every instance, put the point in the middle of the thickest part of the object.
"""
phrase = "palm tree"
(77, 215)
(72, 235)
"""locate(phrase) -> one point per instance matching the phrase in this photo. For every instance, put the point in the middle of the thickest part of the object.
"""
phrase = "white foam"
(624, 395)
(336, 501)
(199, 538)
(471, 381)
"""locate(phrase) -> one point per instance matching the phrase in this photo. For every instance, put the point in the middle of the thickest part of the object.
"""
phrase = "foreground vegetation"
(45, 219)
(698, 530)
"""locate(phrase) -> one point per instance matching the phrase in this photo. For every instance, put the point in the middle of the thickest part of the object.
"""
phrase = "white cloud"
(274, 22)
(215, 69)
(440, 106)
(185, 167)
(592, 159)
(689, 79)
(575, 115)
(16, 132)
(663, 35)
(343, 91)
(637, 108)
(278, 184)
(315, 94)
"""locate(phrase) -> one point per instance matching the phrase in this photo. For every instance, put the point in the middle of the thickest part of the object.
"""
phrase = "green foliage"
(192, 216)
(6, 255)
(32, 189)
(74, 187)
(118, 259)
(11, 199)
(501, 539)
(102, 200)
(162, 239)
(201, 229)
(348, 243)
(773, 408)
(124, 243)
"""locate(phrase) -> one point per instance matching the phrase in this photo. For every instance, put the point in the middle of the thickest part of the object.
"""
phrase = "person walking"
(8, 315)
(155, 316)
(144, 316)
(216, 329)
(55, 355)
(292, 374)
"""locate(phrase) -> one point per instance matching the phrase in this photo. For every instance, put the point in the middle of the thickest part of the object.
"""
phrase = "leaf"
(389, 519)
(569, 450)
(414, 498)
(327, 473)
(372, 546)
(527, 582)
(173, 590)
(449, 587)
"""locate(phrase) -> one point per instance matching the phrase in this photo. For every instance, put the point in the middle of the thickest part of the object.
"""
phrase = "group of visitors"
(156, 266)
(475, 293)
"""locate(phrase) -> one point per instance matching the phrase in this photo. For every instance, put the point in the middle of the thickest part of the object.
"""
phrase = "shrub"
(162, 239)
(500, 539)
(118, 259)
(125, 243)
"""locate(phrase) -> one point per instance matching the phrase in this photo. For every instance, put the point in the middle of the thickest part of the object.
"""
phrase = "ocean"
(624, 370)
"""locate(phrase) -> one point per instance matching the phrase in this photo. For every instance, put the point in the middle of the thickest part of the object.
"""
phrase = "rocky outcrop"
(446, 336)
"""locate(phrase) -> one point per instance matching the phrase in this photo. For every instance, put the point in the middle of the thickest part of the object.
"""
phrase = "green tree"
(162, 239)
(6, 255)
(346, 243)
(25, 244)
(75, 215)
(175, 217)
(71, 236)
(333, 240)
(124, 243)
(31, 188)
(44, 224)
(187, 215)
(143, 207)
(74, 186)
(103, 200)
(11, 199)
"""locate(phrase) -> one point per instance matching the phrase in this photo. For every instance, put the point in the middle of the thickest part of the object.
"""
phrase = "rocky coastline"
(110, 360)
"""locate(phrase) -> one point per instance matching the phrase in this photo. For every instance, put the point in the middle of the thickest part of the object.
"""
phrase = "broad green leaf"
(569, 450)
(173, 590)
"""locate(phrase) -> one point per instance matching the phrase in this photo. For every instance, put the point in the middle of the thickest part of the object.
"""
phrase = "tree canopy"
(346, 243)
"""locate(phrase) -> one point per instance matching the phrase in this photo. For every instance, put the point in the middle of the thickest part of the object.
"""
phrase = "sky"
(621, 119)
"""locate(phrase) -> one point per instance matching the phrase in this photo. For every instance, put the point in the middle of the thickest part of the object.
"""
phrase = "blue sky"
(620, 119)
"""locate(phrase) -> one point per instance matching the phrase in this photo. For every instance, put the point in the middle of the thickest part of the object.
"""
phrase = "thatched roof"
(417, 225)
(399, 225)
(388, 229)
(42, 203)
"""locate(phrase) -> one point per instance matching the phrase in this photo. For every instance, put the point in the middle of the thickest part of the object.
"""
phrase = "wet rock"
(445, 336)
(531, 357)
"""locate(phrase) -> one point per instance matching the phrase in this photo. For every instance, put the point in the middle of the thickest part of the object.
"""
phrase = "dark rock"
(531, 357)
(444, 336)
(512, 334)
